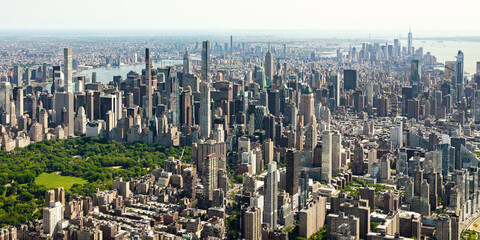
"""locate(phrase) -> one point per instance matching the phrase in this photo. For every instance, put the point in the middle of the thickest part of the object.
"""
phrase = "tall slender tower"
(271, 188)
(459, 74)
(205, 111)
(409, 50)
(148, 77)
(26, 79)
(5, 88)
(291, 159)
(326, 174)
(187, 63)
(66, 99)
(416, 72)
(205, 60)
(44, 72)
(336, 142)
(17, 76)
(269, 66)
(19, 101)
(67, 69)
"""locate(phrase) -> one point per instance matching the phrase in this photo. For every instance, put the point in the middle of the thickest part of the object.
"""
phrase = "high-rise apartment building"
(459, 76)
(17, 76)
(148, 78)
(307, 105)
(187, 63)
(205, 110)
(5, 88)
(67, 70)
(205, 61)
(336, 152)
(252, 223)
(326, 173)
(209, 176)
(291, 159)
(51, 216)
(26, 78)
(271, 188)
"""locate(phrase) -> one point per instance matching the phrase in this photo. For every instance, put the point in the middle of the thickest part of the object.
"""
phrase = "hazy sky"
(385, 15)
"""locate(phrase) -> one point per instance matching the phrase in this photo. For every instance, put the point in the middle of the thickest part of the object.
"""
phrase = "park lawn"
(54, 180)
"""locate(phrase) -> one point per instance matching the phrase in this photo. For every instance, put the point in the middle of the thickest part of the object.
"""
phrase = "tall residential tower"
(459, 75)
(187, 63)
(205, 60)
(271, 187)
(67, 69)
(148, 78)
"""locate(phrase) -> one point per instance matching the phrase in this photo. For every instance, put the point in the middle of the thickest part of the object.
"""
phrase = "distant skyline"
(371, 15)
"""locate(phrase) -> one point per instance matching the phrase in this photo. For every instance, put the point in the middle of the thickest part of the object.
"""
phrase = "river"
(447, 51)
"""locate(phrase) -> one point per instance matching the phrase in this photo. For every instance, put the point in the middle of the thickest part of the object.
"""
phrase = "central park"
(80, 165)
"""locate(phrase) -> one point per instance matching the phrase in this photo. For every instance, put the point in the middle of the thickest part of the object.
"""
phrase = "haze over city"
(370, 15)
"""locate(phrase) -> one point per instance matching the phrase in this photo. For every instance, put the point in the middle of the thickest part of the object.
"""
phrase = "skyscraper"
(349, 80)
(252, 223)
(205, 60)
(307, 105)
(205, 111)
(291, 159)
(17, 77)
(260, 77)
(271, 188)
(444, 227)
(231, 43)
(26, 78)
(186, 107)
(269, 66)
(396, 48)
(334, 84)
(19, 100)
(459, 75)
(415, 77)
(5, 88)
(67, 69)
(209, 176)
(190, 182)
(336, 152)
(148, 78)
(44, 73)
(187, 63)
(409, 50)
(326, 174)
(51, 216)
(64, 100)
